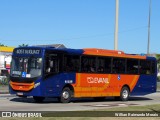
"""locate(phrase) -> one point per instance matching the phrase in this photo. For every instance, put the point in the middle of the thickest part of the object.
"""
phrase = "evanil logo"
(97, 80)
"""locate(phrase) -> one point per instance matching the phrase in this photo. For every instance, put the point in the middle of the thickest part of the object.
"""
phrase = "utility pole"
(149, 19)
(116, 26)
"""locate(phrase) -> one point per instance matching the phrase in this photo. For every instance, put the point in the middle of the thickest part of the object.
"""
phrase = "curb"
(4, 92)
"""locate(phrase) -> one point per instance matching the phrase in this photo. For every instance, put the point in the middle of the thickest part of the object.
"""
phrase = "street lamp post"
(149, 19)
(116, 26)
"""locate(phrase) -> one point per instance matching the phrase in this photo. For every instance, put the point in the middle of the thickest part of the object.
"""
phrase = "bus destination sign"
(28, 51)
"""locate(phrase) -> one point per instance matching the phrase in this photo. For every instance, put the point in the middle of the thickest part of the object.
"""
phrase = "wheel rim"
(65, 95)
(125, 94)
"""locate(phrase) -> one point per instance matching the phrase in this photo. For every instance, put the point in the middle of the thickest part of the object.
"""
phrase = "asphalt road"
(14, 103)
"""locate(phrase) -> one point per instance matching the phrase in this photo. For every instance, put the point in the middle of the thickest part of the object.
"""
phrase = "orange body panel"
(109, 53)
(22, 86)
(100, 85)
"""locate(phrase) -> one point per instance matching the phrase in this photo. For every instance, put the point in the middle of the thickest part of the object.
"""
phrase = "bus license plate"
(19, 93)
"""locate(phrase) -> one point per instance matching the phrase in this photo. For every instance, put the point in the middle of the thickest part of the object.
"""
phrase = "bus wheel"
(65, 95)
(38, 99)
(124, 95)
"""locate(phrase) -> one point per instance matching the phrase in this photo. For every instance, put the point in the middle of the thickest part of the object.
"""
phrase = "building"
(52, 45)
(5, 59)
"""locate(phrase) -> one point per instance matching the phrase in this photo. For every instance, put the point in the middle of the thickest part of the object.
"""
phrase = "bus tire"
(66, 95)
(124, 95)
(38, 99)
(22, 96)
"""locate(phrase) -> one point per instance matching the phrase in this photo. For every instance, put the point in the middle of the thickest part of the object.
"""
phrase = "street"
(14, 103)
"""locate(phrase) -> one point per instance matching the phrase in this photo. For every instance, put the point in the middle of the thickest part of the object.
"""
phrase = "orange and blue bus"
(77, 73)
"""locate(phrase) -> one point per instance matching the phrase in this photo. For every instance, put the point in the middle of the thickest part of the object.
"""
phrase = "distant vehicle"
(75, 73)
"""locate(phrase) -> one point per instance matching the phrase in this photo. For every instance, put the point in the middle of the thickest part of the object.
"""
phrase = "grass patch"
(150, 108)
(147, 108)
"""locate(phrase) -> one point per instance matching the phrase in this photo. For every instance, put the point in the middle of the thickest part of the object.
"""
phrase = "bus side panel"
(49, 87)
(101, 85)
(54, 85)
(146, 84)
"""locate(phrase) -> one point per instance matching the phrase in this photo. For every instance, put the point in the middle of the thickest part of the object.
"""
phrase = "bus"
(77, 73)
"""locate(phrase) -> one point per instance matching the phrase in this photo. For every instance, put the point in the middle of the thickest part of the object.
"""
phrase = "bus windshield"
(26, 67)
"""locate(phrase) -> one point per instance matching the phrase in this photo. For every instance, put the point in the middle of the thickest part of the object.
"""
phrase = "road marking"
(111, 105)
(101, 105)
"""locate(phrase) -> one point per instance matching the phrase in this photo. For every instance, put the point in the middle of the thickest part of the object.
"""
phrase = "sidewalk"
(4, 89)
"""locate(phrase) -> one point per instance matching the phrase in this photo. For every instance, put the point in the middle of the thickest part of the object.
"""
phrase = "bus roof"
(93, 51)
(114, 53)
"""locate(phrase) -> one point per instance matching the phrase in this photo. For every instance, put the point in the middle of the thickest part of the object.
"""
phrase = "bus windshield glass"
(26, 67)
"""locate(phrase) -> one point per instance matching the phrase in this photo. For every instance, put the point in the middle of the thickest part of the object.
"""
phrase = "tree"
(23, 45)
(158, 64)
(2, 45)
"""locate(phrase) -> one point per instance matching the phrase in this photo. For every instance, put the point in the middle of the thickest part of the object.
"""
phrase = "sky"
(80, 24)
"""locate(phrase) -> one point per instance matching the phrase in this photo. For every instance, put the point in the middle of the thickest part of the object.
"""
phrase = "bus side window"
(108, 65)
(71, 63)
(145, 67)
(47, 67)
(100, 65)
(153, 67)
(104, 65)
(118, 65)
(88, 64)
(132, 66)
(52, 64)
